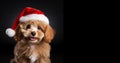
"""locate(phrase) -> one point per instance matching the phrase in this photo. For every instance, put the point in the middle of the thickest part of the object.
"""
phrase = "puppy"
(33, 38)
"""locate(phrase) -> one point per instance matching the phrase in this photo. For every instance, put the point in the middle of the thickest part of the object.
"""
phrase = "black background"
(10, 9)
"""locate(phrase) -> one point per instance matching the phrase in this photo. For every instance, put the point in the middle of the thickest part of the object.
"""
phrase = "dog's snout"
(33, 33)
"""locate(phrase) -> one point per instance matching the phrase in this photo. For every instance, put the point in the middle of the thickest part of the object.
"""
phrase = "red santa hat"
(27, 14)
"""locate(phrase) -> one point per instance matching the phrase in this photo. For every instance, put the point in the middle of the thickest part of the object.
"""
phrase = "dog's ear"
(49, 33)
(18, 36)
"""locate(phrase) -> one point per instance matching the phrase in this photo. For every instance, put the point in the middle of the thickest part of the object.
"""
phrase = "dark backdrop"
(9, 10)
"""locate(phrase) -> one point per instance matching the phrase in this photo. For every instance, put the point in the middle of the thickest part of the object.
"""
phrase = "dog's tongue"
(32, 38)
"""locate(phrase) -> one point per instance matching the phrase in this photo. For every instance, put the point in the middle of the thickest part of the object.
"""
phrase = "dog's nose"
(33, 33)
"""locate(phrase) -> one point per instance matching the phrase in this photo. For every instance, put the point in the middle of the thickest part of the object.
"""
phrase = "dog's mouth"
(33, 38)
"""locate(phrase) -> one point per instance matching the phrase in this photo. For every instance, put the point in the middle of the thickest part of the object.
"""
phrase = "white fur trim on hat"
(40, 17)
(10, 32)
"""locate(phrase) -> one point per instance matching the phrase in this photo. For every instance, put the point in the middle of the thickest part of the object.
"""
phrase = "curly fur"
(36, 51)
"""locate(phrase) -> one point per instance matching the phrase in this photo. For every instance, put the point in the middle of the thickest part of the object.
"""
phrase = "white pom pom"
(10, 32)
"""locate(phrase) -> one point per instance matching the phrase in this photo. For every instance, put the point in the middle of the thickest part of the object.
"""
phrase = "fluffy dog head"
(34, 31)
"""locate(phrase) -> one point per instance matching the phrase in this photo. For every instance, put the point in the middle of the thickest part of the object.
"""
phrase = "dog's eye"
(39, 27)
(28, 27)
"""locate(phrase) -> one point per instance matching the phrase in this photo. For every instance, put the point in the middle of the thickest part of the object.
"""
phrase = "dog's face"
(34, 32)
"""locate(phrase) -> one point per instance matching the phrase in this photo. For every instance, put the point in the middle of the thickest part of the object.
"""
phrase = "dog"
(33, 39)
